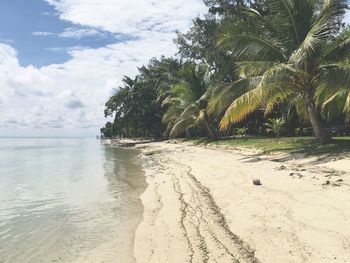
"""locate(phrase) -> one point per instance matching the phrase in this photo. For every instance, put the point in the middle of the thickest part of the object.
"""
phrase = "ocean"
(68, 200)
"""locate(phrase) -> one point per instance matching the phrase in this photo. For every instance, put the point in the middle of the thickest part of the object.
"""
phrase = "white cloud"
(39, 33)
(130, 17)
(72, 95)
(72, 32)
(42, 97)
(80, 33)
(66, 49)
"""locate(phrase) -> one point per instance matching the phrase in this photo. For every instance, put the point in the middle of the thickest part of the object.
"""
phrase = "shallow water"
(68, 200)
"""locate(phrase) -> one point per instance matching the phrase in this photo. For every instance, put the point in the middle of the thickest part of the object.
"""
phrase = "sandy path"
(201, 206)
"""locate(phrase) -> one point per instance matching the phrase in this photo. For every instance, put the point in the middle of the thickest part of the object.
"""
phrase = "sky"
(60, 60)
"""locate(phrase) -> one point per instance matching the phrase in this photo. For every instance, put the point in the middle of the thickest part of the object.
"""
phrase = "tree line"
(240, 65)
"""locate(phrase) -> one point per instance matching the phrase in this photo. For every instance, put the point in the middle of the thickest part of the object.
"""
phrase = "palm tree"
(335, 102)
(287, 54)
(187, 100)
(275, 126)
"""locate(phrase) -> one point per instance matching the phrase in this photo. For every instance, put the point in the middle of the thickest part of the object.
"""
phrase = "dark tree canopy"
(134, 106)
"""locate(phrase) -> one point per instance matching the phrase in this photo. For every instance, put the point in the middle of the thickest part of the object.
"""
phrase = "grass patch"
(306, 145)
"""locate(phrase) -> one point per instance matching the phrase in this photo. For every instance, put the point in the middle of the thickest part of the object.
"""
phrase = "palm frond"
(323, 26)
(201, 117)
(294, 16)
(182, 125)
(226, 94)
(339, 48)
(253, 47)
(241, 107)
(191, 109)
(334, 77)
(253, 68)
(278, 95)
(300, 107)
(172, 114)
(273, 86)
(248, 41)
(182, 91)
(347, 103)
(171, 101)
(334, 105)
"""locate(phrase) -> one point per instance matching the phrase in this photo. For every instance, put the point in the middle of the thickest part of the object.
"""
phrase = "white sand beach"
(201, 206)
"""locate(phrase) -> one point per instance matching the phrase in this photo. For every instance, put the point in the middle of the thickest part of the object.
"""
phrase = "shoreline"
(200, 206)
(139, 184)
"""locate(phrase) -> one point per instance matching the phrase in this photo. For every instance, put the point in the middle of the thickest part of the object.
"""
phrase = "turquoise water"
(68, 200)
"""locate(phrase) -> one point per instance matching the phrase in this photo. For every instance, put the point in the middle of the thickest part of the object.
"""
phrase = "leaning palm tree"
(186, 101)
(285, 55)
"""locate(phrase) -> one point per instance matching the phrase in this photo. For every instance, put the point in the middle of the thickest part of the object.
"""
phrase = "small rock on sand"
(282, 167)
(256, 182)
(327, 182)
(339, 180)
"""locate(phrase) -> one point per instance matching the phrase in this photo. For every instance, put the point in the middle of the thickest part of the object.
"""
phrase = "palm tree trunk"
(188, 134)
(319, 132)
(209, 128)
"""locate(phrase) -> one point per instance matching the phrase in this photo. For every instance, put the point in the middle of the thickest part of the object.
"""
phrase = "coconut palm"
(275, 126)
(335, 102)
(187, 100)
(287, 54)
(241, 132)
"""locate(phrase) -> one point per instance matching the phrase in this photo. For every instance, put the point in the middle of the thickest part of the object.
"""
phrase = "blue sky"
(60, 60)
(34, 29)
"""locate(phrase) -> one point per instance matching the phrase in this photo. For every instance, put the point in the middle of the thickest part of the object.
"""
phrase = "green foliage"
(107, 131)
(200, 44)
(186, 101)
(134, 106)
(275, 126)
(292, 48)
(241, 132)
(241, 62)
